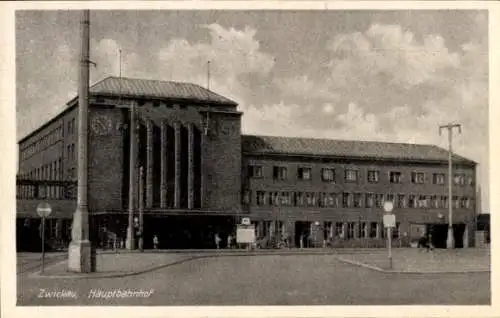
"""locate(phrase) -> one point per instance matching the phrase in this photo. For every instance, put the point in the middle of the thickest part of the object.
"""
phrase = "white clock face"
(101, 125)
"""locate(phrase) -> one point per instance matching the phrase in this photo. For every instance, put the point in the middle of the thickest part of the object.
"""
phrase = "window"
(373, 176)
(304, 174)
(369, 200)
(463, 203)
(423, 202)
(444, 201)
(358, 200)
(332, 200)
(456, 202)
(459, 179)
(279, 173)
(350, 230)
(390, 197)
(286, 198)
(255, 171)
(470, 181)
(412, 201)
(395, 177)
(346, 200)
(299, 199)
(328, 174)
(73, 151)
(373, 229)
(311, 199)
(68, 150)
(379, 200)
(418, 177)
(273, 198)
(339, 226)
(400, 202)
(351, 175)
(434, 202)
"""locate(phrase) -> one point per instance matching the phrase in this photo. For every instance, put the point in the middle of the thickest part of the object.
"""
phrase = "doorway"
(439, 234)
(458, 235)
(302, 228)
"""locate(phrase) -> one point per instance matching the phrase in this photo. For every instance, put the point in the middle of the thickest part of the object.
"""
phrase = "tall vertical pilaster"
(163, 182)
(190, 166)
(203, 177)
(177, 192)
(149, 164)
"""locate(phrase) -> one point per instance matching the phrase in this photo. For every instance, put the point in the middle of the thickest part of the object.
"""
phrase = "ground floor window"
(350, 230)
(339, 229)
(373, 229)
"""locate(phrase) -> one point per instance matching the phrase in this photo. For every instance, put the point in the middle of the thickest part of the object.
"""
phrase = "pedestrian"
(217, 240)
(301, 241)
(430, 247)
(155, 242)
(229, 241)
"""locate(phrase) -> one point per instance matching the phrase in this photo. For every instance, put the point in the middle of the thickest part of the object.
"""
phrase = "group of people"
(230, 240)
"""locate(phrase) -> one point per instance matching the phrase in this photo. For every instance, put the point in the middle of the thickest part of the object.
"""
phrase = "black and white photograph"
(251, 156)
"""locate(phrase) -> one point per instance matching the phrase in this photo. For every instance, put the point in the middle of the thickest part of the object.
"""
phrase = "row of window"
(353, 175)
(49, 171)
(53, 192)
(48, 139)
(332, 230)
(354, 200)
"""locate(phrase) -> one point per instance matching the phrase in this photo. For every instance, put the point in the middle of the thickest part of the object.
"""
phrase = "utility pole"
(80, 250)
(450, 242)
(141, 209)
(130, 243)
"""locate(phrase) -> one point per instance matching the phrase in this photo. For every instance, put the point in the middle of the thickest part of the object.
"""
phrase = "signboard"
(388, 206)
(389, 220)
(245, 221)
(43, 210)
(245, 234)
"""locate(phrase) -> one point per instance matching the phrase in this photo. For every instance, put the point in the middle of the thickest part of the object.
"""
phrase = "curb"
(115, 275)
(157, 267)
(389, 271)
(48, 262)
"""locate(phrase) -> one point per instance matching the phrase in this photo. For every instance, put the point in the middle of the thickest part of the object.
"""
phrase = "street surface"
(261, 280)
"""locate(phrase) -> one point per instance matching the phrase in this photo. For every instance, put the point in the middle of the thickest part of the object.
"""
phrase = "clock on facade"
(101, 125)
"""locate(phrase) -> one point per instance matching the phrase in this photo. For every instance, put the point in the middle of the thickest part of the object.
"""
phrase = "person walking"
(155, 242)
(430, 247)
(229, 241)
(217, 240)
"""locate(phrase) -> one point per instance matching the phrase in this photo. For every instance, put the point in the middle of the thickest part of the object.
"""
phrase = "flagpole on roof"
(208, 75)
(120, 77)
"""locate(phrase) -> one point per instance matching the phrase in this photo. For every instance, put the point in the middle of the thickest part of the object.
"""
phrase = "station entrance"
(187, 231)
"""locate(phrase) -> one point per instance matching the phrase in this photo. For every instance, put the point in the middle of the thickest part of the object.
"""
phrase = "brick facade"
(215, 169)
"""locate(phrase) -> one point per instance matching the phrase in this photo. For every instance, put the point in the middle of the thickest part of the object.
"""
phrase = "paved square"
(265, 280)
(421, 260)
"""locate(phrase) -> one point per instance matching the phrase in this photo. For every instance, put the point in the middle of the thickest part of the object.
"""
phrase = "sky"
(360, 75)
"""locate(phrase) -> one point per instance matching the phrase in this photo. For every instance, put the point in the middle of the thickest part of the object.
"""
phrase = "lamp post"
(80, 251)
(450, 243)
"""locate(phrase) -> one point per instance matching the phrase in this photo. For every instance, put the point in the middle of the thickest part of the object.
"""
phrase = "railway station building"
(202, 176)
